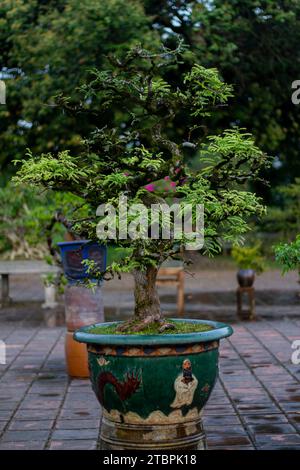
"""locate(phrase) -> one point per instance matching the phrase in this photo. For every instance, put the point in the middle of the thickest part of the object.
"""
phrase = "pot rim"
(221, 330)
(246, 269)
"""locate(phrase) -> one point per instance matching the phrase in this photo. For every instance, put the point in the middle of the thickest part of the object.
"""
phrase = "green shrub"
(288, 255)
(249, 257)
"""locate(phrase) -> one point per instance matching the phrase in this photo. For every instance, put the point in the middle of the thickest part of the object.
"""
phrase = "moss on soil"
(152, 329)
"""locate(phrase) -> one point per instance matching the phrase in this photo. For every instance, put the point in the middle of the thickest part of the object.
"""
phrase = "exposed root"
(140, 325)
(134, 325)
(166, 326)
(125, 326)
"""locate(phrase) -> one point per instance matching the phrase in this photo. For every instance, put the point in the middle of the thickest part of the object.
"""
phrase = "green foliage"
(249, 257)
(25, 218)
(19, 227)
(57, 280)
(288, 255)
(254, 45)
(205, 89)
(137, 146)
(62, 167)
(284, 219)
(48, 48)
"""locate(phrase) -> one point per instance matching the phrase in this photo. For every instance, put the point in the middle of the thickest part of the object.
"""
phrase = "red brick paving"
(255, 404)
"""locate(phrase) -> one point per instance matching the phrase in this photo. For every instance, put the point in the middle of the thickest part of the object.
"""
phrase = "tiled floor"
(255, 404)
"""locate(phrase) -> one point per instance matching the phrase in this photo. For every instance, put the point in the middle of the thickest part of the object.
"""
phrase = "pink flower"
(166, 178)
(150, 187)
(173, 184)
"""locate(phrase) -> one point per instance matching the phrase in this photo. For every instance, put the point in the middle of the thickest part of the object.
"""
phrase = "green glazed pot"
(152, 388)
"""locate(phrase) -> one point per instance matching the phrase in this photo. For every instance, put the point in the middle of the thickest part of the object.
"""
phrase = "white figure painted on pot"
(185, 386)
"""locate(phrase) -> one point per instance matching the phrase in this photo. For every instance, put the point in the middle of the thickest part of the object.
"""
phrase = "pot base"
(185, 436)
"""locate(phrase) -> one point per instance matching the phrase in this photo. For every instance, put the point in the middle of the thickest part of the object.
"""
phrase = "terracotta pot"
(246, 277)
(76, 357)
(153, 388)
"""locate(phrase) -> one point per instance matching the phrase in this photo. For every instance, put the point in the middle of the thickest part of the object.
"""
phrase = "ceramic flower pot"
(153, 388)
(76, 357)
(74, 252)
(246, 277)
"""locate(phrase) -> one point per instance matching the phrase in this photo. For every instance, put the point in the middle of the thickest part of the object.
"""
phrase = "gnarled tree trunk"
(147, 304)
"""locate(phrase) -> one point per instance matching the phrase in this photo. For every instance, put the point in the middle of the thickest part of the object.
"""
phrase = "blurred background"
(47, 51)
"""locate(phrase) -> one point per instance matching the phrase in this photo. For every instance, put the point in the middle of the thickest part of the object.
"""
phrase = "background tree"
(137, 146)
(282, 221)
(48, 48)
(254, 45)
(31, 221)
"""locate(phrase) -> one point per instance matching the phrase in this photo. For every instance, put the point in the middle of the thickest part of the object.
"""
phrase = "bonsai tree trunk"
(147, 304)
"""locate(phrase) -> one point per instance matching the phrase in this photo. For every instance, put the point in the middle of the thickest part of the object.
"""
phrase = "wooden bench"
(9, 268)
(173, 276)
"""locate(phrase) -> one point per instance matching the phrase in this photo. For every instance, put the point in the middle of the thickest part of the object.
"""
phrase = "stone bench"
(9, 268)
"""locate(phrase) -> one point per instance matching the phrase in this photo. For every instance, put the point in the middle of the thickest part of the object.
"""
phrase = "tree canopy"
(138, 145)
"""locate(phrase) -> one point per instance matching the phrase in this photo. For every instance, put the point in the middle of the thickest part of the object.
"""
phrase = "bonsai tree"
(137, 148)
(249, 257)
(288, 255)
